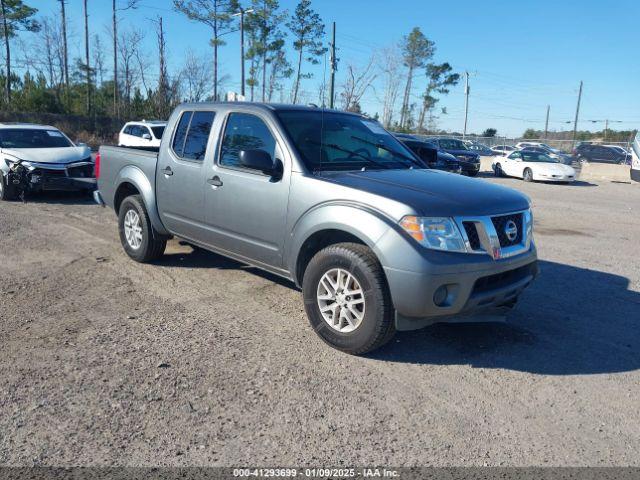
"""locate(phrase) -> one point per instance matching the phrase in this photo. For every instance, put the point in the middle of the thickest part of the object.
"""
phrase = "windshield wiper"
(384, 147)
(351, 152)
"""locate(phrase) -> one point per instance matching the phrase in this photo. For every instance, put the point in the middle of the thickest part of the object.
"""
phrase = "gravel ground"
(198, 360)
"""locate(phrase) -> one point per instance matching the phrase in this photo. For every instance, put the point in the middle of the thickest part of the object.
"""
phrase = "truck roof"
(270, 106)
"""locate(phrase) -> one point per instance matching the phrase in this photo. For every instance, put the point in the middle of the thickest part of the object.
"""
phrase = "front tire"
(527, 175)
(7, 191)
(138, 237)
(347, 299)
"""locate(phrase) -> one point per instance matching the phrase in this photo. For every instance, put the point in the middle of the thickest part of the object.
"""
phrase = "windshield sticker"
(375, 127)
(54, 133)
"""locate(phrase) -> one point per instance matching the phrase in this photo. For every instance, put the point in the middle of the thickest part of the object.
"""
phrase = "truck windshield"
(32, 138)
(337, 141)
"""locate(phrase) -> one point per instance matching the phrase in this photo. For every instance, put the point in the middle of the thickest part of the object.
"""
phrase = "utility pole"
(115, 61)
(466, 102)
(64, 44)
(86, 56)
(546, 123)
(241, 13)
(332, 83)
(7, 80)
(575, 123)
(606, 127)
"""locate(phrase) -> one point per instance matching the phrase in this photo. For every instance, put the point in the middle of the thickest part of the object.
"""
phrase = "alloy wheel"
(133, 229)
(341, 300)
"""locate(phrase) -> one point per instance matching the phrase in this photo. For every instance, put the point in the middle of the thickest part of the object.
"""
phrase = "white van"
(146, 133)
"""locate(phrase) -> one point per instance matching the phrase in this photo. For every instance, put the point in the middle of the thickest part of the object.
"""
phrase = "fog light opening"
(440, 296)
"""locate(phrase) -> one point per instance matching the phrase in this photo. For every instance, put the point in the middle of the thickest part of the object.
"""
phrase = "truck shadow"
(571, 321)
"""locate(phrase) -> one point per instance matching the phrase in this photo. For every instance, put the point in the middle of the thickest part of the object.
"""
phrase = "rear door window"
(195, 145)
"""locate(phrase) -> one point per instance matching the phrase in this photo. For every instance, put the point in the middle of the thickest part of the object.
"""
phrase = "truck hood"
(435, 193)
(49, 155)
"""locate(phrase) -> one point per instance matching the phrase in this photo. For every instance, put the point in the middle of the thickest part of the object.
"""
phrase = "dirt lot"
(198, 360)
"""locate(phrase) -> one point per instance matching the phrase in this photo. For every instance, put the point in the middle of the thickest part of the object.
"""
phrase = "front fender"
(361, 221)
(135, 176)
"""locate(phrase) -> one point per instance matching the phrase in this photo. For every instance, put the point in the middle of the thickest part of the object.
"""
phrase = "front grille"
(49, 173)
(500, 224)
(84, 171)
(472, 235)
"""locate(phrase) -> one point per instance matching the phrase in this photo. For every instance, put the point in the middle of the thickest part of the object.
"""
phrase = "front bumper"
(477, 291)
(554, 178)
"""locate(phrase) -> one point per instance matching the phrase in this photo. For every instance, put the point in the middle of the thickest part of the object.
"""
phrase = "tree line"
(115, 77)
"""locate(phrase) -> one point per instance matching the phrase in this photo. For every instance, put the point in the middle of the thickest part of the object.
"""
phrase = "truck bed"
(115, 160)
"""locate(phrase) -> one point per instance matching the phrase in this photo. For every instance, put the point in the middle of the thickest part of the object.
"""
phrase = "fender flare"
(135, 176)
(359, 220)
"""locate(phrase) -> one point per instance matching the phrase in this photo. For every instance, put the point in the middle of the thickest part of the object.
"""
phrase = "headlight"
(437, 233)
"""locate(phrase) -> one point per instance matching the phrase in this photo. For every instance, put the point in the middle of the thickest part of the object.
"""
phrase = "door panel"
(246, 210)
(180, 176)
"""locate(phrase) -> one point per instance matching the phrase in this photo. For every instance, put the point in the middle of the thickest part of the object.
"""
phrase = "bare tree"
(50, 39)
(280, 69)
(358, 81)
(98, 58)
(196, 78)
(217, 15)
(128, 46)
(389, 65)
(128, 4)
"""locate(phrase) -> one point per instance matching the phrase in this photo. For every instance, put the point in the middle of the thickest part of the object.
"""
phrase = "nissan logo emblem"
(511, 230)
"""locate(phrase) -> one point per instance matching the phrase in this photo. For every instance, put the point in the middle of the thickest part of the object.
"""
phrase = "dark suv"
(591, 152)
(469, 160)
(428, 153)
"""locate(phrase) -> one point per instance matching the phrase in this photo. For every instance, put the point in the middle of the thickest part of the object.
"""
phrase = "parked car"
(479, 148)
(531, 166)
(469, 161)
(429, 154)
(561, 157)
(503, 150)
(40, 157)
(333, 202)
(146, 133)
(590, 152)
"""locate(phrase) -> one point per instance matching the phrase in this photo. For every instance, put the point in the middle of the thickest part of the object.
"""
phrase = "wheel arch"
(331, 224)
(133, 181)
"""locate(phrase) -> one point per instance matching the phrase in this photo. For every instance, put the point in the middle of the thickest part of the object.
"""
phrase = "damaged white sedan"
(38, 157)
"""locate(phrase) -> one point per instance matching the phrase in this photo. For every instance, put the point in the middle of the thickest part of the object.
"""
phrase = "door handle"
(215, 181)
(167, 171)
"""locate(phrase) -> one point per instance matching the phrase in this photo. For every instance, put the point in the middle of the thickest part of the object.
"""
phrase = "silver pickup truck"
(330, 200)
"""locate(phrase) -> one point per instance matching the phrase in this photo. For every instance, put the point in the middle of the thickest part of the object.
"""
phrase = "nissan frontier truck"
(376, 241)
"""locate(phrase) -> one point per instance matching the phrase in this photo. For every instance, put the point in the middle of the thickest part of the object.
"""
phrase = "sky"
(521, 55)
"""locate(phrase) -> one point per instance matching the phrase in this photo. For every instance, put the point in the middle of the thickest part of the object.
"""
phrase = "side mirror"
(80, 144)
(256, 160)
(146, 136)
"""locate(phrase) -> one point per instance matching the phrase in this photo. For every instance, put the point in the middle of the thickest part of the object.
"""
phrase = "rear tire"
(138, 237)
(357, 269)
(527, 175)
(7, 191)
(473, 173)
(497, 170)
